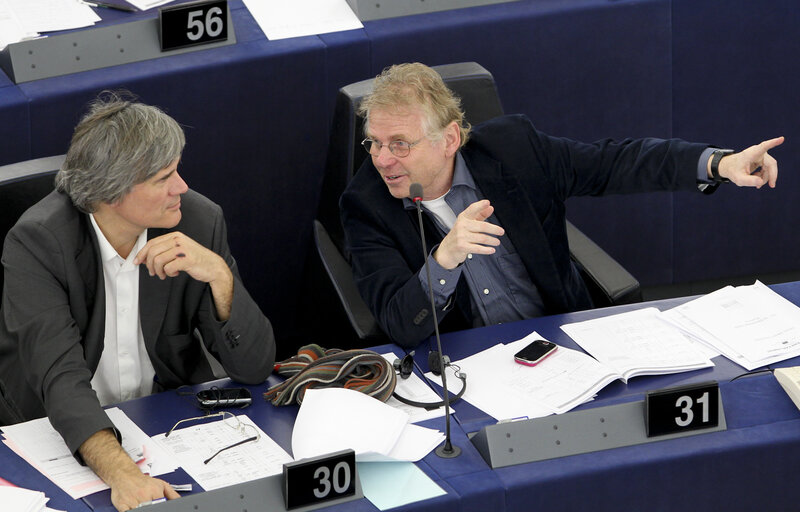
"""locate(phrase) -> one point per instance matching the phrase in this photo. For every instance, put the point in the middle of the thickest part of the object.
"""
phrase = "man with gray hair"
(107, 279)
(494, 198)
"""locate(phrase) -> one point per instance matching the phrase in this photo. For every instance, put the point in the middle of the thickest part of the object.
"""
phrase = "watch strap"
(716, 156)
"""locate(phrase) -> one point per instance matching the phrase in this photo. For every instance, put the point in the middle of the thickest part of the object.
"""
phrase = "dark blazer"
(527, 176)
(53, 318)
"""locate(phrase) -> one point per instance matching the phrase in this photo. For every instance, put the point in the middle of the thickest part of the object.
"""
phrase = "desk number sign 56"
(193, 23)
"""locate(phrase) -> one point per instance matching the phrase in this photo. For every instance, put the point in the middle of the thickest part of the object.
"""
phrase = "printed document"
(17, 499)
(751, 325)
(638, 342)
(192, 445)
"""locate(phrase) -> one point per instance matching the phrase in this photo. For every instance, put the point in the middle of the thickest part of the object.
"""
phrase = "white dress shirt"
(125, 370)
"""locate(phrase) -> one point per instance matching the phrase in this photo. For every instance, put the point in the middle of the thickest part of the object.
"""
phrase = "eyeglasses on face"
(398, 148)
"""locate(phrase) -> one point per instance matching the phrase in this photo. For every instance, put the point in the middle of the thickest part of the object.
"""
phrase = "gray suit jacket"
(53, 318)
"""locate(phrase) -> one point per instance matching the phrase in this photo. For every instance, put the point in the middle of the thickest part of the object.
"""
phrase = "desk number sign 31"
(682, 409)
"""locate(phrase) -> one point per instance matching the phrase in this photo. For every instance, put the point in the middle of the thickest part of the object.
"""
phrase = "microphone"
(446, 450)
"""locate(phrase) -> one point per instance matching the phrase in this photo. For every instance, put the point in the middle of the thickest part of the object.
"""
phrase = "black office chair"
(608, 282)
(21, 186)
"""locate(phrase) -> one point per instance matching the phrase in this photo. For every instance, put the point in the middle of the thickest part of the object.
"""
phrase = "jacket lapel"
(91, 271)
(153, 296)
(517, 215)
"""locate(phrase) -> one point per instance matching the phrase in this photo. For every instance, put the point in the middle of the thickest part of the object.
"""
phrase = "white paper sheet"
(280, 19)
(11, 30)
(336, 419)
(192, 445)
(637, 343)
(17, 499)
(51, 15)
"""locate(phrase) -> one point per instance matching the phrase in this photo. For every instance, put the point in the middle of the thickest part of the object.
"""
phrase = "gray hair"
(415, 85)
(116, 145)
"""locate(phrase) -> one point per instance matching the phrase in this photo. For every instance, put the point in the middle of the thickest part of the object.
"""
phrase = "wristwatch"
(716, 156)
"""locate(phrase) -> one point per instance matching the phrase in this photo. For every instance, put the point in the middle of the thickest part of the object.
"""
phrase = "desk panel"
(750, 466)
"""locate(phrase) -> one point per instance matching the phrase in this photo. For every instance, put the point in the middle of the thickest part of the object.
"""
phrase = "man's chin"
(171, 220)
(398, 192)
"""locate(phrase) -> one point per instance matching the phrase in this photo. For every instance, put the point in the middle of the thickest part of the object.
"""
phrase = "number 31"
(685, 404)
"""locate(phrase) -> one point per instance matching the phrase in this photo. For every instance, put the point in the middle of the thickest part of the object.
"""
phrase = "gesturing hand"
(471, 234)
(740, 167)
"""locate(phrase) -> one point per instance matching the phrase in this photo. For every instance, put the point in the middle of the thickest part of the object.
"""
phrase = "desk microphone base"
(452, 453)
(590, 430)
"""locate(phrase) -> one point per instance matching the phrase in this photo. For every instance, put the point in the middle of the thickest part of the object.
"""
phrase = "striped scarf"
(316, 367)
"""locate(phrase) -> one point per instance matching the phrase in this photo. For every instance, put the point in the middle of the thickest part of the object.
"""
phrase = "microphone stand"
(447, 450)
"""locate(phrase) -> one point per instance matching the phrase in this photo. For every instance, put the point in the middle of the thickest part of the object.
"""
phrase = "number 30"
(341, 479)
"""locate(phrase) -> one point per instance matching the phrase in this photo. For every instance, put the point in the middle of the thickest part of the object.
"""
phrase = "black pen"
(111, 6)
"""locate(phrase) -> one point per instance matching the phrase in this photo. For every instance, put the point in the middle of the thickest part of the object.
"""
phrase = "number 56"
(213, 24)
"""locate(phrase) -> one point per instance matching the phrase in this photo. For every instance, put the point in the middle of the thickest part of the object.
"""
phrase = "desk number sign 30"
(321, 479)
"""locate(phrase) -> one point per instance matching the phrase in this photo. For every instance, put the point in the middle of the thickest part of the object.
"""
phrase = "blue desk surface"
(750, 466)
(257, 116)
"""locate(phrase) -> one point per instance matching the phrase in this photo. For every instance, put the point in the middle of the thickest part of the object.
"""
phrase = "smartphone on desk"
(218, 397)
(535, 352)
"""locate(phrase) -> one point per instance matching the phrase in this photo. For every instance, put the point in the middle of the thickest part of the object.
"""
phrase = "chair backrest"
(470, 81)
(21, 186)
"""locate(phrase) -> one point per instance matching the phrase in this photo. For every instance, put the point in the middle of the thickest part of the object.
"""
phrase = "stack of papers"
(505, 389)
(751, 325)
(334, 419)
(23, 500)
(25, 19)
(43, 448)
(639, 342)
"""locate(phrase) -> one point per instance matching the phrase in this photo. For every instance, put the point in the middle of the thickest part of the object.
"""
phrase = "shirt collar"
(461, 177)
(107, 251)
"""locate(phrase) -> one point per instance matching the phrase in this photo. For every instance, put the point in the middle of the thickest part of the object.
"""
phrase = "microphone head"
(415, 192)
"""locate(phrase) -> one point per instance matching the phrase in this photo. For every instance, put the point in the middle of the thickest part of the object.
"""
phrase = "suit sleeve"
(245, 343)
(613, 167)
(37, 315)
(386, 279)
